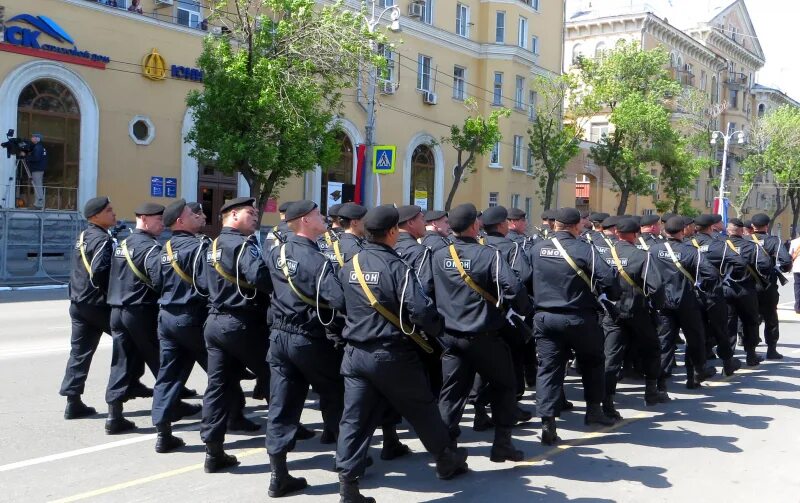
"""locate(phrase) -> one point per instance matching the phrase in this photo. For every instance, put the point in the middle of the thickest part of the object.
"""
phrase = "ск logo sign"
(29, 38)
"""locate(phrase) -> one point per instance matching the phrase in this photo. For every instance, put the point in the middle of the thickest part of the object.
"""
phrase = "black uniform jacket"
(645, 274)
(419, 258)
(188, 255)
(125, 287)
(84, 288)
(679, 290)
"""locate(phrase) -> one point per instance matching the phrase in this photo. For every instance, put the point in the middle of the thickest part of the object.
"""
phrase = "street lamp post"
(716, 135)
(372, 83)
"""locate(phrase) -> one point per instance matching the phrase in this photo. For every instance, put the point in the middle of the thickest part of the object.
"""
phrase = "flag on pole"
(721, 208)
(361, 151)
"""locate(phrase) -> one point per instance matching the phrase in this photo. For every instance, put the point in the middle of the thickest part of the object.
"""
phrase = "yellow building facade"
(105, 84)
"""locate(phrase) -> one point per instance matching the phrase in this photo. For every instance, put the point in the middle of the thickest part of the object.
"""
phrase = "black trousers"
(481, 390)
(377, 377)
(768, 308)
(556, 334)
(232, 340)
(744, 309)
(797, 292)
(619, 335)
(688, 319)
(134, 330)
(715, 322)
(88, 324)
(295, 362)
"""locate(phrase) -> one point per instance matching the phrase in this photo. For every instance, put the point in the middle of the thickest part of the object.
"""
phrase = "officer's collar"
(294, 238)
(369, 245)
(142, 231)
(466, 239)
(351, 235)
(97, 227)
(670, 238)
(496, 235)
(405, 236)
(182, 233)
(231, 230)
(563, 235)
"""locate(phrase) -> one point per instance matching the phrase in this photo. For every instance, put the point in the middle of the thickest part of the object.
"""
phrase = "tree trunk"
(795, 200)
(548, 190)
(456, 182)
(782, 203)
(624, 194)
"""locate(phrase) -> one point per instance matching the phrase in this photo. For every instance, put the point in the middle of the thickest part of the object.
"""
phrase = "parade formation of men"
(398, 314)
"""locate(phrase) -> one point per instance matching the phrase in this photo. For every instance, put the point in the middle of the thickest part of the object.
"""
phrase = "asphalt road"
(734, 440)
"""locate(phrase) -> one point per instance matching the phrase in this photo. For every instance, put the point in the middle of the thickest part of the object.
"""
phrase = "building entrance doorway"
(213, 189)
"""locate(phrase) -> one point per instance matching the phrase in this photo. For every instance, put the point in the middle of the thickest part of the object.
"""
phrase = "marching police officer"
(380, 364)
(568, 273)
(325, 242)
(472, 281)
(743, 300)
(595, 234)
(412, 228)
(437, 230)
(769, 297)
(134, 310)
(299, 353)
(683, 269)
(349, 242)
(281, 231)
(88, 285)
(236, 329)
(518, 227)
(642, 293)
(650, 233)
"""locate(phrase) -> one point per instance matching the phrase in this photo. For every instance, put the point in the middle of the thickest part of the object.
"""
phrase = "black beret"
(299, 209)
(95, 205)
(637, 219)
(352, 211)
(551, 215)
(627, 225)
(666, 216)
(598, 217)
(149, 209)
(284, 206)
(717, 218)
(704, 220)
(195, 207)
(173, 211)
(649, 220)
(516, 214)
(408, 212)
(736, 222)
(380, 218)
(687, 221)
(462, 217)
(585, 214)
(567, 216)
(674, 225)
(760, 220)
(747, 223)
(610, 222)
(333, 211)
(237, 202)
(494, 215)
(432, 215)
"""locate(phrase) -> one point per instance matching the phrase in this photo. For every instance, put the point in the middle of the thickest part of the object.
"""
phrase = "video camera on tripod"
(16, 146)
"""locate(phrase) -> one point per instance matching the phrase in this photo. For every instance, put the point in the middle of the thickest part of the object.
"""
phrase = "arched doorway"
(423, 176)
(214, 188)
(49, 108)
(337, 180)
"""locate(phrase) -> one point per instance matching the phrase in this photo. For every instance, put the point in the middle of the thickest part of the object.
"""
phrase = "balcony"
(736, 80)
(185, 13)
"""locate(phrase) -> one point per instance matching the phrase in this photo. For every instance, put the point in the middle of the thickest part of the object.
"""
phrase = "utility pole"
(715, 135)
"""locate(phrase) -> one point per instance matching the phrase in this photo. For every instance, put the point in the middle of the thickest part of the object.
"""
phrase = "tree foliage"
(475, 137)
(272, 88)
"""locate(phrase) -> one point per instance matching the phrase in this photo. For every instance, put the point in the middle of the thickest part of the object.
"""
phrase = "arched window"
(599, 49)
(338, 177)
(423, 175)
(576, 52)
(761, 110)
(714, 90)
(49, 108)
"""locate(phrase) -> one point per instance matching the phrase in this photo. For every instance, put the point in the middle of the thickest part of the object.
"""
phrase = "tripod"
(9, 198)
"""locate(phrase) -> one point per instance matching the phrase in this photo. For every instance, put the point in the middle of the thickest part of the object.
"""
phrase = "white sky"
(775, 22)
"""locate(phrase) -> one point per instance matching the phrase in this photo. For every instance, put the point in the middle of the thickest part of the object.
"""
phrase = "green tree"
(634, 87)
(476, 137)
(272, 88)
(552, 142)
(679, 171)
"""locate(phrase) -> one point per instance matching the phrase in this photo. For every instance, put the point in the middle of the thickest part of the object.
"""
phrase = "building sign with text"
(41, 37)
(154, 67)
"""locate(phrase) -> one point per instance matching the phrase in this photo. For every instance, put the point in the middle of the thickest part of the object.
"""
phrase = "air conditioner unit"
(387, 87)
(163, 3)
(216, 31)
(415, 9)
(430, 98)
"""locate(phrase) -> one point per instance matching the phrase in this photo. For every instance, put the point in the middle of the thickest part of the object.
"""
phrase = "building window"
(529, 164)
(189, 14)
(576, 53)
(387, 3)
(517, 161)
(514, 201)
(519, 93)
(697, 189)
(533, 97)
(493, 197)
(599, 50)
(459, 78)
(734, 98)
(731, 127)
(500, 29)
(427, 12)
(424, 73)
(703, 80)
(494, 156)
(714, 90)
(598, 131)
(141, 130)
(497, 98)
(462, 20)
(535, 4)
(528, 208)
(387, 74)
(761, 109)
(535, 44)
(522, 39)
(648, 212)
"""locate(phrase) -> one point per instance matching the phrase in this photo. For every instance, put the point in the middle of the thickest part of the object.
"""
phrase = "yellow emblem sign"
(153, 66)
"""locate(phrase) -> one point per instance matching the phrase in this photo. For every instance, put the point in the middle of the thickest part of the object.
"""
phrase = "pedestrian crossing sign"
(383, 157)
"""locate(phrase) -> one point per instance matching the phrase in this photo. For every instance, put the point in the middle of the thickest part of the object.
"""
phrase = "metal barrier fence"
(23, 196)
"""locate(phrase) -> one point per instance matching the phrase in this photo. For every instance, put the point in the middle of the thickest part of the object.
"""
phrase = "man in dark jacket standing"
(37, 164)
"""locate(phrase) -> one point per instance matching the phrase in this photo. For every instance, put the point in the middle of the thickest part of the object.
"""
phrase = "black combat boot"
(752, 359)
(549, 431)
(662, 388)
(166, 441)
(241, 423)
(731, 365)
(303, 433)
(653, 392)
(522, 416)
(482, 421)
(138, 390)
(392, 447)
(188, 393)
(327, 437)
(451, 463)
(530, 375)
(503, 449)
(281, 483)
(185, 409)
(772, 352)
(691, 381)
(348, 492)
(595, 415)
(609, 409)
(76, 409)
(115, 423)
(217, 459)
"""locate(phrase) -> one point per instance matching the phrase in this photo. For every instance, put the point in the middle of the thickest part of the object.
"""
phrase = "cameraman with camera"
(37, 163)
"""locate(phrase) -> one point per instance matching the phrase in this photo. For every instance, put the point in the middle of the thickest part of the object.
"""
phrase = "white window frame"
(494, 156)
(497, 89)
(389, 55)
(187, 6)
(535, 44)
(601, 128)
(519, 92)
(494, 199)
(427, 12)
(422, 74)
(500, 27)
(387, 3)
(528, 208)
(462, 20)
(533, 98)
(516, 162)
(459, 83)
(514, 201)
(522, 34)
